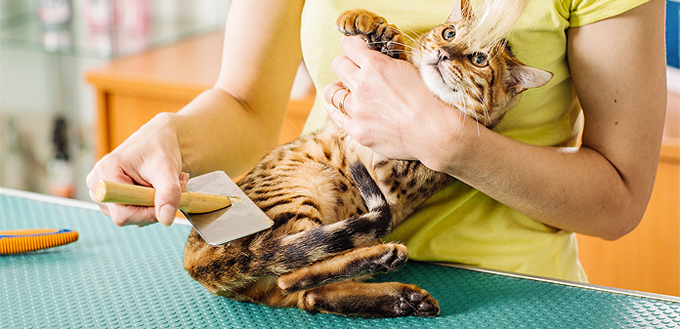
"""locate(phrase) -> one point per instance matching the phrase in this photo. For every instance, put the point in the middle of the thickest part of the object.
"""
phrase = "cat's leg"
(307, 247)
(379, 258)
(379, 35)
(388, 299)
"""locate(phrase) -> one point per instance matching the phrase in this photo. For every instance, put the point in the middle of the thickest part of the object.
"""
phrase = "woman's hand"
(150, 157)
(388, 109)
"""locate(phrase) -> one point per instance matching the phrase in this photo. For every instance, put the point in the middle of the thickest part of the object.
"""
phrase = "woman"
(523, 190)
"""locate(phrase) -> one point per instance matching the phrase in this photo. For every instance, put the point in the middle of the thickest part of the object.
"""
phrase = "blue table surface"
(133, 277)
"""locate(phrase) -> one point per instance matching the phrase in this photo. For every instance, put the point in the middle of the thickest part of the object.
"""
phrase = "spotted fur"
(333, 200)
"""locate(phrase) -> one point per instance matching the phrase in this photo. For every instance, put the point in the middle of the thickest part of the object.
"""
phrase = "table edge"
(582, 285)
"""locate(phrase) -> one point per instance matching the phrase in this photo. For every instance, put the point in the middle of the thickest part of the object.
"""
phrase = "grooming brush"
(18, 241)
(214, 205)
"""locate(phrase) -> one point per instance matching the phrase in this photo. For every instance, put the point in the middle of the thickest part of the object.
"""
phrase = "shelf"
(22, 30)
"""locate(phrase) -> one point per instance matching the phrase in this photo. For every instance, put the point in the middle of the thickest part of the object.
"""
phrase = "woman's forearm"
(232, 125)
(573, 189)
(218, 132)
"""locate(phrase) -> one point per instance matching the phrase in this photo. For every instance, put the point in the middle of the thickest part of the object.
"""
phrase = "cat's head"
(481, 78)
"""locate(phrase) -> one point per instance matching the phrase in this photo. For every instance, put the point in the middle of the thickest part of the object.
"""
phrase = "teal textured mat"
(130, 277)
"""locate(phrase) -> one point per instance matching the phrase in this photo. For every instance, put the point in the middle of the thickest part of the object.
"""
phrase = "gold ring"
(341, 104)
(333, 94)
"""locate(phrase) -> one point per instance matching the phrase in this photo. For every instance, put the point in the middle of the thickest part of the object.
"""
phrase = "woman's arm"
(600, 189)
(233, 125)
(228, 127)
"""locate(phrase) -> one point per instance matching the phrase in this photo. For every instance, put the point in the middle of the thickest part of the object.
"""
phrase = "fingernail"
(166, 215)
(183, 179)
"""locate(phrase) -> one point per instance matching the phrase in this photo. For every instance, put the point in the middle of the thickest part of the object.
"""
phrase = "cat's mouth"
(438, 79)
(438, 71)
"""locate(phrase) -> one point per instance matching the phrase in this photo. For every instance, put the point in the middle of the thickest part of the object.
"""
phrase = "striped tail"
(373, 198)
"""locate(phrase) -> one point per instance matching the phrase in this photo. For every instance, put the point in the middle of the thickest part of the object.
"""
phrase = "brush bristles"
(19, 244)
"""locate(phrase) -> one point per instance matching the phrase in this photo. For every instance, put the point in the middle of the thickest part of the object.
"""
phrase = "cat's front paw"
(359, 22)
(379, 35)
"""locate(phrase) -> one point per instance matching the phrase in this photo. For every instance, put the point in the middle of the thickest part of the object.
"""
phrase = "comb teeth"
(18, 241)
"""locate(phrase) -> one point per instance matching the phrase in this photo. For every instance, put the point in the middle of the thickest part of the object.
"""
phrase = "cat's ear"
(524, 77)
(461, 10)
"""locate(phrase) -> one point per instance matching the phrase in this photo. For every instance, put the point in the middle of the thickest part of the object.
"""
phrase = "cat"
(333, 200)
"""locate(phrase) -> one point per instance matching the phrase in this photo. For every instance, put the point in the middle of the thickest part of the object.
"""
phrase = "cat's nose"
(444, 54)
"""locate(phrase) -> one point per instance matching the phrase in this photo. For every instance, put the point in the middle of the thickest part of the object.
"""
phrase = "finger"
(336, 96)
(333, 92)
(93, 197)
(343, 120)
(122, 215)
(168, 190)
(91, 182)
(356, 50)
(183, 180)
(330, 89)
(346, 70)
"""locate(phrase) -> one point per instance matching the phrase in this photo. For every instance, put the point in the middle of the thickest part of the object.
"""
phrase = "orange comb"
(18, 241)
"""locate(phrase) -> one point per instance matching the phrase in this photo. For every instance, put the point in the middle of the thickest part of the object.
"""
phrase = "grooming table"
(133, 277)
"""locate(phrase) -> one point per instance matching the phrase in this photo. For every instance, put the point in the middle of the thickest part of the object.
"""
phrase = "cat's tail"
(373, 198)
(307, 247)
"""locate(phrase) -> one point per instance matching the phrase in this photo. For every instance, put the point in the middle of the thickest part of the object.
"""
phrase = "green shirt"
(460, 224)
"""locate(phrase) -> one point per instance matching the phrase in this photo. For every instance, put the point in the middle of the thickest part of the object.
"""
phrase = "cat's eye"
(479, 59)
(449, 33)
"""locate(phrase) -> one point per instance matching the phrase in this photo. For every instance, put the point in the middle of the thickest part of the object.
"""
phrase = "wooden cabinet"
(130, 91)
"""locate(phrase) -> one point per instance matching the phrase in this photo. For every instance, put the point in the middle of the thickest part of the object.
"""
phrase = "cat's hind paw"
(387, 299)
(414, 301)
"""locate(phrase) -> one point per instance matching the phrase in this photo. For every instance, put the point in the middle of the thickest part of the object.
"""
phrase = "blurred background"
(47, 108)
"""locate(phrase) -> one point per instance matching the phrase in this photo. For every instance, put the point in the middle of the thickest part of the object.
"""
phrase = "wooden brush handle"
(135, 195)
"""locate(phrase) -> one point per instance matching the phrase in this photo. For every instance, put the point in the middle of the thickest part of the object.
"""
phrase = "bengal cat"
(333, 200)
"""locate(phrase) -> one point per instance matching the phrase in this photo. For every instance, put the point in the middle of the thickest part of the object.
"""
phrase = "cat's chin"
(435, 82)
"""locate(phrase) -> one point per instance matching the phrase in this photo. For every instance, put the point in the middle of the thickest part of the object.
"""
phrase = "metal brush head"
(241, 219)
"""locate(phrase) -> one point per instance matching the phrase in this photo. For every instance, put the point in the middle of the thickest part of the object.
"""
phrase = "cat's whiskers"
(485, 110)
(479, 94)
(395, 51)
(396, 43)
(458, 126)
(468, 107)
(393, 28)
(411, 30)
(487, 117)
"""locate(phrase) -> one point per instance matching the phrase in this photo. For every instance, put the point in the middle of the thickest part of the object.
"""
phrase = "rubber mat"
(133, 277)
